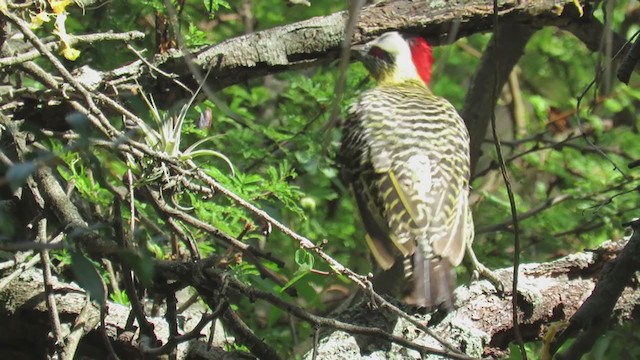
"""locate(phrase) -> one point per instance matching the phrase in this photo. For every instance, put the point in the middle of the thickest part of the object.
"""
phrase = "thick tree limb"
(482, 324)
(592, 319)
(318, 40)
(23, 313)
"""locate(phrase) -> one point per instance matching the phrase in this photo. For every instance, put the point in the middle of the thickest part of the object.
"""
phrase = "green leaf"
(88, 277)
(18, 173)
(120, 297)
(299, 274)
(214, 5)
(305, 260)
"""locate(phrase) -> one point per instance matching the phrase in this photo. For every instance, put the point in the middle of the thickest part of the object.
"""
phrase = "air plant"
(169, 134)
(166, 138)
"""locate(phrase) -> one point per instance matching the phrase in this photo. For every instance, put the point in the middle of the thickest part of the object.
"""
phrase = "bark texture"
(482, 324)
(23, 313)
(318, 40)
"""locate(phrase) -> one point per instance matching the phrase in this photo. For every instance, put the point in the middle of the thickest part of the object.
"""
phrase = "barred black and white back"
(405, 153)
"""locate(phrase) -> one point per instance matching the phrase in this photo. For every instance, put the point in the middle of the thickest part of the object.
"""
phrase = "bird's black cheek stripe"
(384, 58)
(378, 67)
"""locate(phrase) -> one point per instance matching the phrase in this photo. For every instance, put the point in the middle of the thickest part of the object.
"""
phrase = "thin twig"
(9, 278)
(186, 239)
(217, 277)
(507, 224)
(354, 14)
(73, 40)
(103, 329)
(173, 341)
(146, 328)
(108, 265)
(85, 322)
(579, 118)
(507, 182)
(172, 77)
(17, 259)
(171, 317)
(247, 337)
(30, 245)
(187, 303)
(52, 308)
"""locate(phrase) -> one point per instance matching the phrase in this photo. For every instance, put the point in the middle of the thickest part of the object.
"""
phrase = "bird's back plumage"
(406, 154)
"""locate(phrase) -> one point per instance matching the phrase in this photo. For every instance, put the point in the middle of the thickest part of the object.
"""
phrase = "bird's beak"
(359, 52)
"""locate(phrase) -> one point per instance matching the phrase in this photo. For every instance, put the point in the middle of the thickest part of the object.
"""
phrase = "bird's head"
(395, 58)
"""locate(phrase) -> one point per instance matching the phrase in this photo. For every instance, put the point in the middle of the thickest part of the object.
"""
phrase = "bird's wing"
(458, 227)
(362, 178)
(452, 221)
(402, 185)
(378, 237)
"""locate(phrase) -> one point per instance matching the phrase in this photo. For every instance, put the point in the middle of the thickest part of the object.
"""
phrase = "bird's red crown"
(422, 57)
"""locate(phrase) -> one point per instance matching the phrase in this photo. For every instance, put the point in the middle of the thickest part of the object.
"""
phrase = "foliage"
(275, 138)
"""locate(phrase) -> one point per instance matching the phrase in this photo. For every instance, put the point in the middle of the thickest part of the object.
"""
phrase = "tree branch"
(317, 40)
(592, 319)
(479, 104)
(481, 323)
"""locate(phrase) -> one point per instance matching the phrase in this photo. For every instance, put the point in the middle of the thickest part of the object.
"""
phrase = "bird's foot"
(481, 271)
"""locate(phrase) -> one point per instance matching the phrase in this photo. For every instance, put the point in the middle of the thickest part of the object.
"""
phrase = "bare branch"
(592, 319)
(73, 40)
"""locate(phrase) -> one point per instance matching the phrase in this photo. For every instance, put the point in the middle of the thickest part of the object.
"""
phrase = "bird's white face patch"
(394, 44)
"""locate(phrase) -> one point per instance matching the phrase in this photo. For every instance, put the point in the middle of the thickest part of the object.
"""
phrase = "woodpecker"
(405, 154)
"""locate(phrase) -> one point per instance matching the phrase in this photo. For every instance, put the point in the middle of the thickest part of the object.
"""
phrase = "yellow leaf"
(59, 6)
(557, 9)
(579, 7)
(39, 19)
(70, 53)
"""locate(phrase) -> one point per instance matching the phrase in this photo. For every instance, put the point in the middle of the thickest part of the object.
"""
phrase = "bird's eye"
(377, 52)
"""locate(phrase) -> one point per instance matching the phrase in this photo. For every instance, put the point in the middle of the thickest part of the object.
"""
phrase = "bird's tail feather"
(433, 282)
